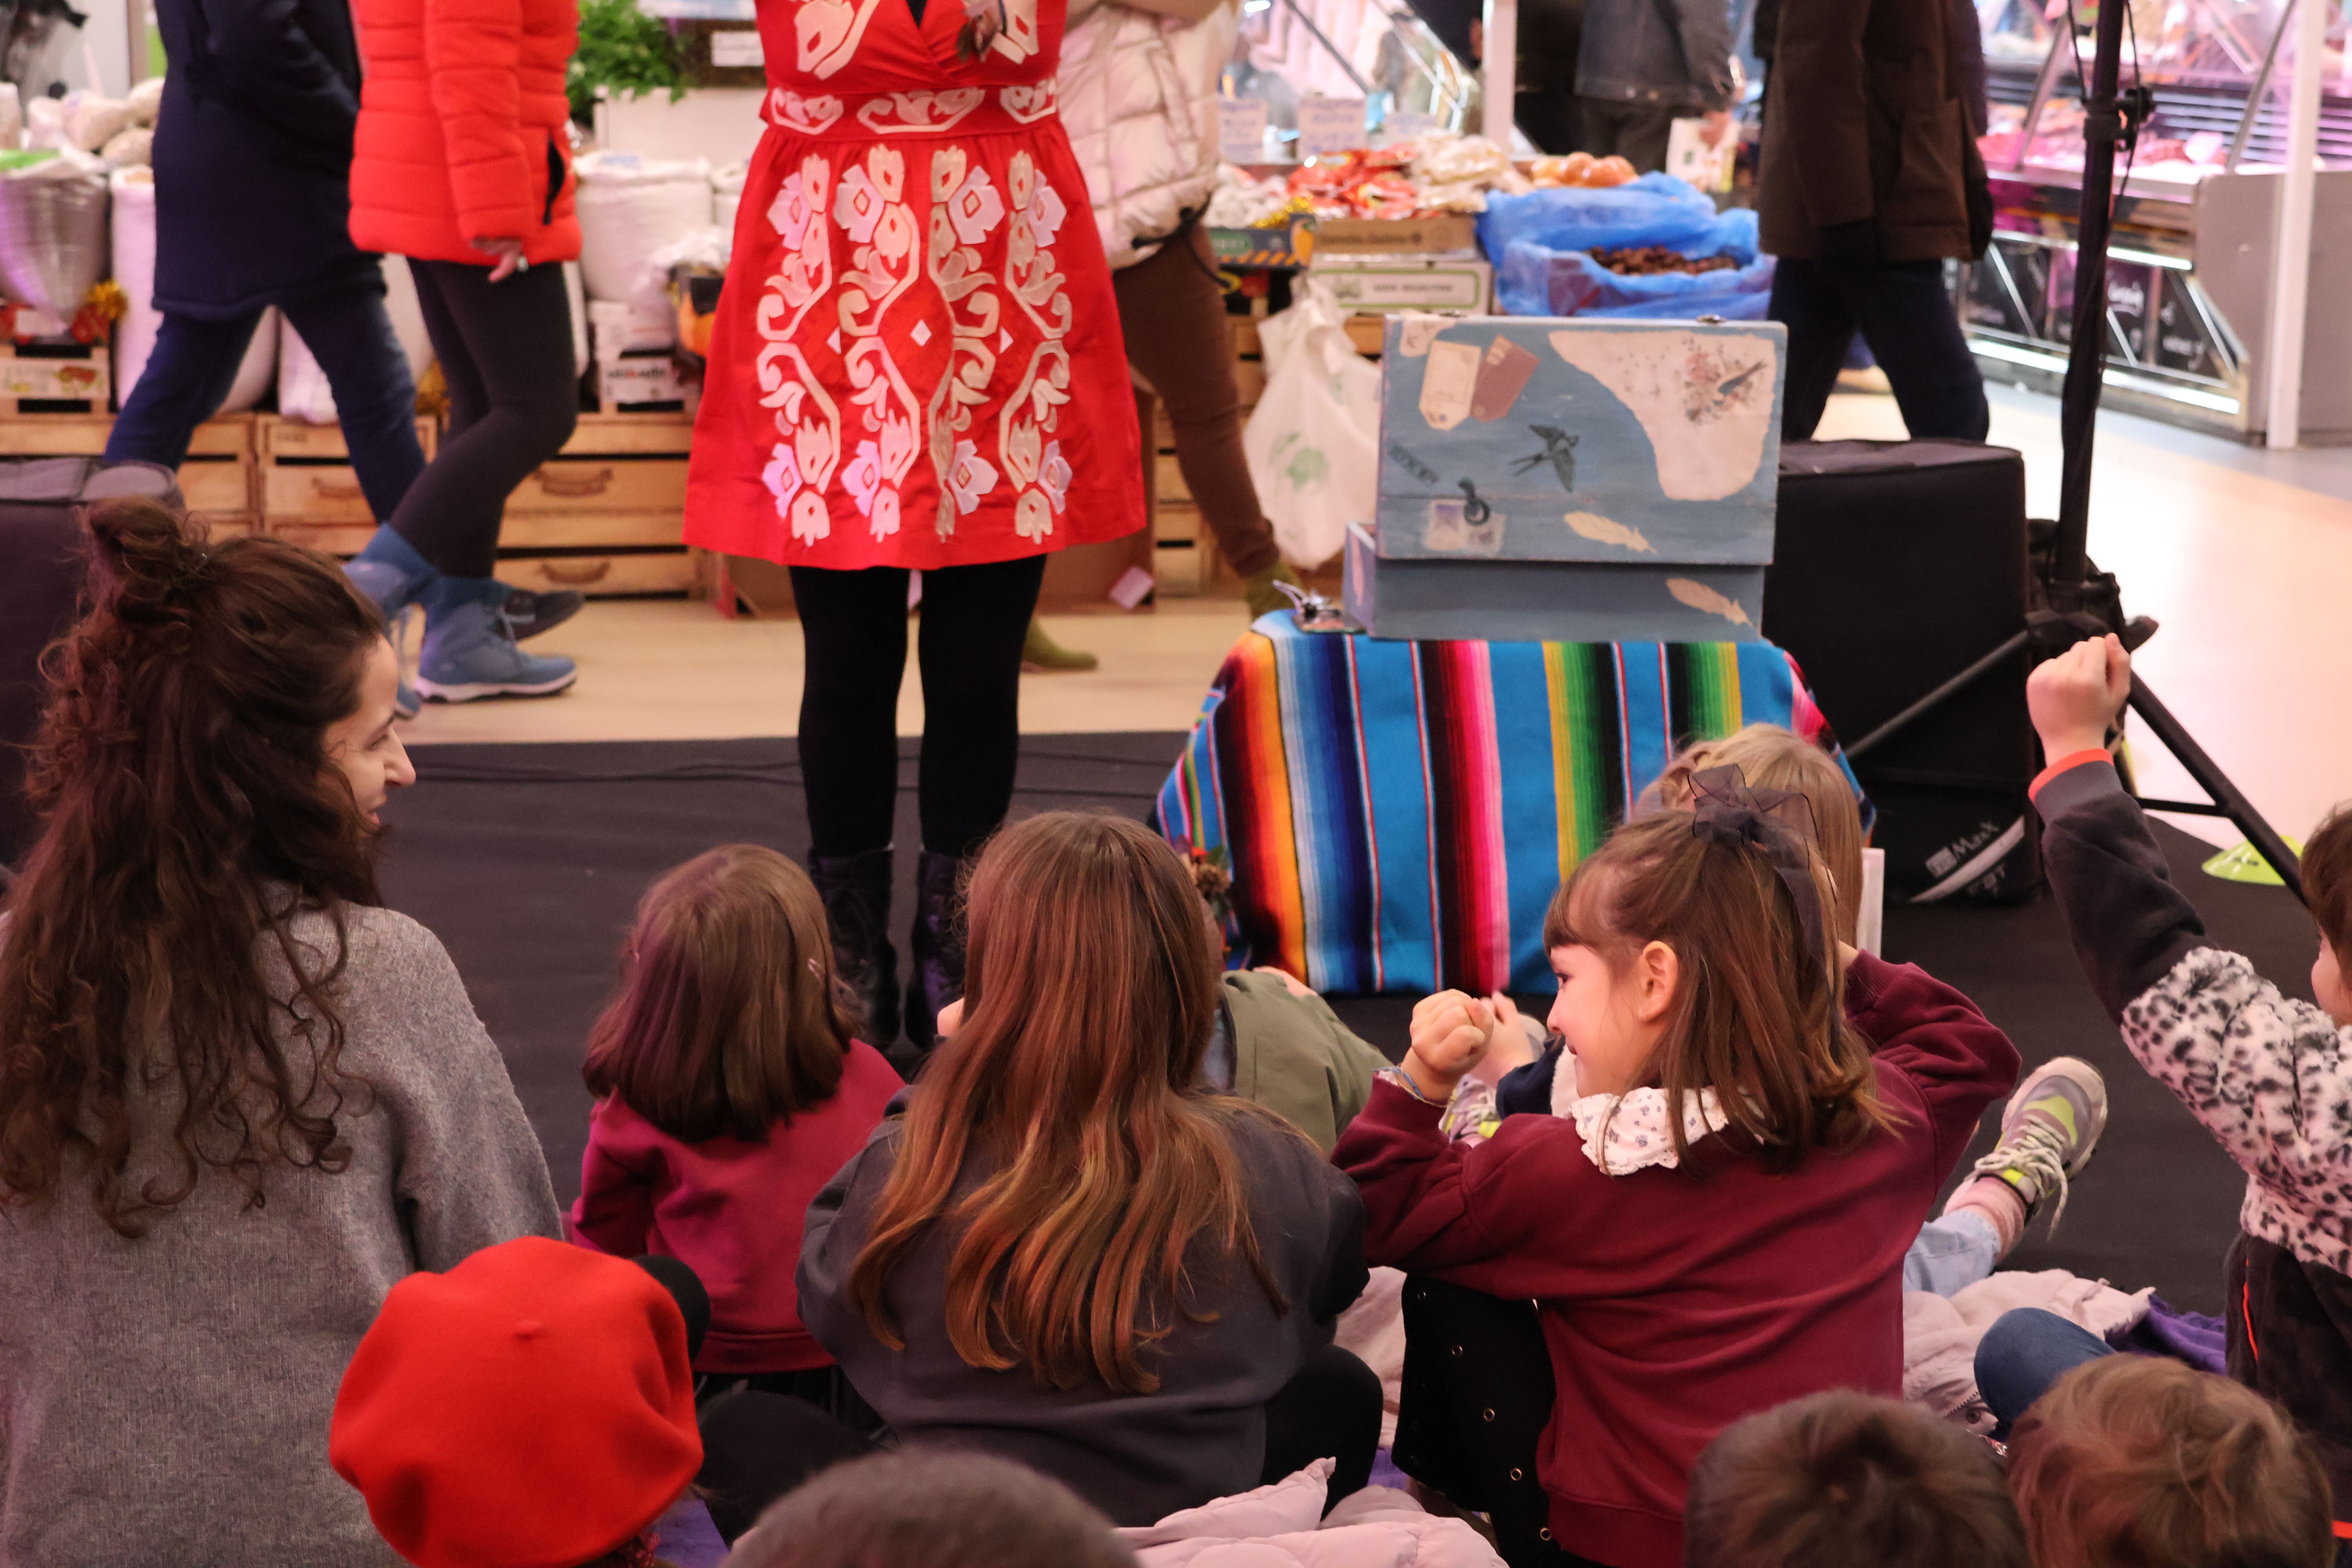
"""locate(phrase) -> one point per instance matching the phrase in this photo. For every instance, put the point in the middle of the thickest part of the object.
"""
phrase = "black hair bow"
(1776, 823)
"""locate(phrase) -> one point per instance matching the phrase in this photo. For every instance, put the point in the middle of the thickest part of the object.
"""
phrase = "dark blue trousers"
(195, 363)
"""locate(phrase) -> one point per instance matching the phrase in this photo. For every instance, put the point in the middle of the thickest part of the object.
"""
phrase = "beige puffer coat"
(1139, 98)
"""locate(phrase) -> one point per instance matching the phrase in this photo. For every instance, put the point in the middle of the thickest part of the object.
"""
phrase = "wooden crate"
(63, 377)
(217, 479)
(306, 483)
(605, 516)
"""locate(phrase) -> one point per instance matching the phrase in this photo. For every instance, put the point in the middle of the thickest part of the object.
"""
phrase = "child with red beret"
(533, 1407)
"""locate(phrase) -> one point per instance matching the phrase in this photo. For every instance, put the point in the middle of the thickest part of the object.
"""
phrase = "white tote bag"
(1313, 441)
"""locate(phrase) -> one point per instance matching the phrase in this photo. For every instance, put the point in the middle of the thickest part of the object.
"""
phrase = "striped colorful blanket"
(1397, 815)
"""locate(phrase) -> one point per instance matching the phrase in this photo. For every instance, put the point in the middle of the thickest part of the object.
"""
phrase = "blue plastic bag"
(1656, 209)
(1541, 242)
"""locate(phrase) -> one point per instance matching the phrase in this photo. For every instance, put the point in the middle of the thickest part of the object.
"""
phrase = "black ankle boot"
(935, 950)
(856, 891)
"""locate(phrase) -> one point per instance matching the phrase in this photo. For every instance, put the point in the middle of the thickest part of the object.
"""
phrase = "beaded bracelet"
(1403, 1079)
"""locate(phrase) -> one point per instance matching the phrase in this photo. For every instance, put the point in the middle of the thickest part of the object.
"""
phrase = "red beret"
(531, 1408)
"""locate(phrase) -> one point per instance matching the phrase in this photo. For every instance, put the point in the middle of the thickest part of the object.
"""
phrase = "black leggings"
(514, 396)
(854, 632)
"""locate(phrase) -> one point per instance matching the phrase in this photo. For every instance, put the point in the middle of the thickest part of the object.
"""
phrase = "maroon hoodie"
(1676, 1300)
(731, 1210)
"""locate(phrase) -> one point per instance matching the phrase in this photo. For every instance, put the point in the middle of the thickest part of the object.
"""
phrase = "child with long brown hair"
(1071, 1254)
(729, 1090)
(1719, 1224)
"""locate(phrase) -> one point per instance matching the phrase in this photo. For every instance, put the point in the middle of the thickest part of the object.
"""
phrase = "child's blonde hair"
(1771, 757)
(728, 1020)
(1755, 1015)
(2140, 1462)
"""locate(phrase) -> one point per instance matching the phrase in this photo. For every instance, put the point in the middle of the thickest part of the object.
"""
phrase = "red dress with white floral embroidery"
(917, 359)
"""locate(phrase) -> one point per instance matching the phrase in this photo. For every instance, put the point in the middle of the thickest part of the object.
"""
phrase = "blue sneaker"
(470, 651)
(391, 573)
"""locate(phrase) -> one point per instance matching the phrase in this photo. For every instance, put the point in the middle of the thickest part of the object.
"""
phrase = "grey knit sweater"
(165, 1401)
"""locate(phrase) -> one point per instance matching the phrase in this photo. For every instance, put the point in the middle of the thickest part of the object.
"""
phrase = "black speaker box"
(1896, 565)
(43, 562)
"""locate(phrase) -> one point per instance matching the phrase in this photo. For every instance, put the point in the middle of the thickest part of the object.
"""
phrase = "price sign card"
(1241, 129)
(1330, 124)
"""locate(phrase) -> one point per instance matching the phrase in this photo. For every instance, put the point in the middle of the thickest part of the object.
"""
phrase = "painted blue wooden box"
(1469, 599)
(1633, 443)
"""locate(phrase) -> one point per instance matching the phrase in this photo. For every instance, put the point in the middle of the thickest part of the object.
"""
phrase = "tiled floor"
(2245, 556)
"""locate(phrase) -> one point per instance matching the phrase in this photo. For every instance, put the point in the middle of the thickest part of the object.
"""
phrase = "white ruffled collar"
(1627, 1132)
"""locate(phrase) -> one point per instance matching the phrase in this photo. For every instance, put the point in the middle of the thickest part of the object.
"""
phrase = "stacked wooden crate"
(218, 479)
(605, 516)
(309, 492)
(1184, 552)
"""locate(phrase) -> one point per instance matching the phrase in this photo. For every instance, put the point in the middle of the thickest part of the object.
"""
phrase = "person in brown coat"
(1871, 178)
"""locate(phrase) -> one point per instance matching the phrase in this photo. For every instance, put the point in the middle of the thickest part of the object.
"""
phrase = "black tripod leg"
(2214, 783)
(1942, 694)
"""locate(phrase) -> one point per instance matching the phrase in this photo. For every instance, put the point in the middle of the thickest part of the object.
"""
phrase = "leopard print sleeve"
(2271, 1078)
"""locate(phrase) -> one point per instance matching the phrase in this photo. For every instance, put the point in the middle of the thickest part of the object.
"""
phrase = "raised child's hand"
(2073, 696)
(1509, 1043)
(1450, 1033)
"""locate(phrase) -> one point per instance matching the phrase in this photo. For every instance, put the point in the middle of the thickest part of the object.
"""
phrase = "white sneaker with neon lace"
(2049, 1131)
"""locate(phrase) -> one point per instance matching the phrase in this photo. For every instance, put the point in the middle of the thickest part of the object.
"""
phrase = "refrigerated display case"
(2188, 295)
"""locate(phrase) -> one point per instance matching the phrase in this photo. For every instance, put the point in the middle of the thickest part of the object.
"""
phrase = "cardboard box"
(1292, 245)
(1447, 233)
(1630, 443)
(639, 378)
(1387, 284)
(1492, 600)
(617, 327)
(83, 378)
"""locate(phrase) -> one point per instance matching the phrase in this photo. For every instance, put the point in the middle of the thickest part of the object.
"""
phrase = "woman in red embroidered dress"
(915, 364)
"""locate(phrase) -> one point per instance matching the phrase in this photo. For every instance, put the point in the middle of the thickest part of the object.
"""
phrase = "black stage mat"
(528, 860)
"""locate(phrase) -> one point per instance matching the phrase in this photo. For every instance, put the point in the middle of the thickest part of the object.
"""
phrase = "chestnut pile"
(1647, 260)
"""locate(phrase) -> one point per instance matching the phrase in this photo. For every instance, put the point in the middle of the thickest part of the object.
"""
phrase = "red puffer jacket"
(462, 129)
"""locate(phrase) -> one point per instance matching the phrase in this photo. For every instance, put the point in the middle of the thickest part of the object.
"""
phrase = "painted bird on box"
(1559, 452)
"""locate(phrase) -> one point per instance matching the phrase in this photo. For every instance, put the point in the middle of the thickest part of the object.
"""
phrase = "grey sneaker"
(2048, 1132)
(471, 652)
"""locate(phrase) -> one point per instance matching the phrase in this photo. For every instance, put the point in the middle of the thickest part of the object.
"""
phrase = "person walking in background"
(463, 166)
(253, 155)
(1641, 65)
(1870, 180)
(1138, 91)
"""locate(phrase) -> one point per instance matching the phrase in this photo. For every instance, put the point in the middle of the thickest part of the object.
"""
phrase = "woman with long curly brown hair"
(238, 1098)
(1069, 1252)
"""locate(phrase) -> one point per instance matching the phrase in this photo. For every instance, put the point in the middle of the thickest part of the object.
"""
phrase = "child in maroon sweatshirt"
(729, 1092)
(1719, 1224)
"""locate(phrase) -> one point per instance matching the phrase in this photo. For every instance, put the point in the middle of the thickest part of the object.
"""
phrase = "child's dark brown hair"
(2141, 1462)
(2327, 882)
(932, 1509)
(728, 1019)
(1844, 1480)
(1756, 1014)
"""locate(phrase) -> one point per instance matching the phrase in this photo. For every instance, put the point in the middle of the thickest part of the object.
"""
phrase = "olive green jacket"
(1293, 1056)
